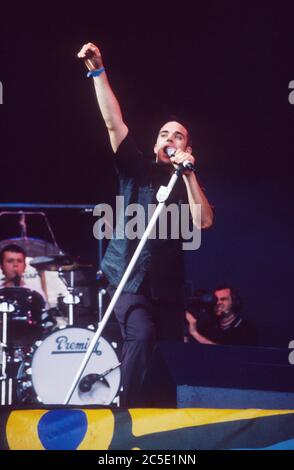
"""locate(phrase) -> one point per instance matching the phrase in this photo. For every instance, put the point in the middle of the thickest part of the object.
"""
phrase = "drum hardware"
(47, 318)
(70, 298)
(21, 322)
(17, 310)
(101, 294)
(26, 243)
(24, 389)
(24, 310)
(6, 383)
(61, 263)
(101, 283)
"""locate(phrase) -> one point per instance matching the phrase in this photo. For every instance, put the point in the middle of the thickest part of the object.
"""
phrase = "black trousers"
(143, 321)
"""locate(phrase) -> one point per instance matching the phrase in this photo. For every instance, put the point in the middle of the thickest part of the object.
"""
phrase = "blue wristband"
(95, 73)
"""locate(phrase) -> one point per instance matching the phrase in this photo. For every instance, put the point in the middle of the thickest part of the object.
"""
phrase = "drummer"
(13, 265)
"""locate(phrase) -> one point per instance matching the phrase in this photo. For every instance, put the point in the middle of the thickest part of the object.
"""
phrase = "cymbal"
(32, 246)
(58, 263)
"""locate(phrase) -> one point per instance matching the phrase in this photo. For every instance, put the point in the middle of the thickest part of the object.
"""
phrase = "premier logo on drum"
(65, 346)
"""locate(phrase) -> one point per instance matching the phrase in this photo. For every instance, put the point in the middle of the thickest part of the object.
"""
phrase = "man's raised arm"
(108, 104)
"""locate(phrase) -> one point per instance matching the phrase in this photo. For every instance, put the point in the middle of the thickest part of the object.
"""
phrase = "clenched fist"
(91, 56)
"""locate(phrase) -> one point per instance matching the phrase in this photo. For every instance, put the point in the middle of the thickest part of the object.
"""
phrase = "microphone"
(171, 152)
(86, 383)
(17, 280)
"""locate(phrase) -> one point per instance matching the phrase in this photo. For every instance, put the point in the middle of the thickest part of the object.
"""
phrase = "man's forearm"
(107, 101)
(201, 339)
(196, 335)
(110, 110)
(197, 196)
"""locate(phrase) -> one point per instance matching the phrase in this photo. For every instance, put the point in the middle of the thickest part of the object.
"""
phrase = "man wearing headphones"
(227, 327)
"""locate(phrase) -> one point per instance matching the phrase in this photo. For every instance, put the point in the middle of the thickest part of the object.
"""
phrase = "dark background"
(223, 66)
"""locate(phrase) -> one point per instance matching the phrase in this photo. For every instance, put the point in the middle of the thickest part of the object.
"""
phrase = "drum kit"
(40, 350)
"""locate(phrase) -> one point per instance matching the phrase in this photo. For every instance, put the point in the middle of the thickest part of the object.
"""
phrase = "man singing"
(151, 305)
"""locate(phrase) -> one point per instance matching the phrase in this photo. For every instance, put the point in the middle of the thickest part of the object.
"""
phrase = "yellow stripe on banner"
(149, 421)
(100, 430)
(22, 430)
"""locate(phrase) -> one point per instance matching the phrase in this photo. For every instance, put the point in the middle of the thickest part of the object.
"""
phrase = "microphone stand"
(161, 196)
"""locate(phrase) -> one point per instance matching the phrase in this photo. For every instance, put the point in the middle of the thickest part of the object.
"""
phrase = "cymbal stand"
(70, 299)
(101, 294)
(23, 223)
(5, 308)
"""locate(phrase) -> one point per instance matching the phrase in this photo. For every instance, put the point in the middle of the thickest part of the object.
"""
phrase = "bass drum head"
(57, 360)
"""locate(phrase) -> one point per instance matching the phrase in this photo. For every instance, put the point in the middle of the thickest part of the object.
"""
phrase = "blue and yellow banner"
(146, 429)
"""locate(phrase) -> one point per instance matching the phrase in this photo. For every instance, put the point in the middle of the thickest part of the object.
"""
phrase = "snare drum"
(51, 369)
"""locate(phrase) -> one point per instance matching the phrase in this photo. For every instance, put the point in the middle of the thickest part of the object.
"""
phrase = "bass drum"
(47, 374)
